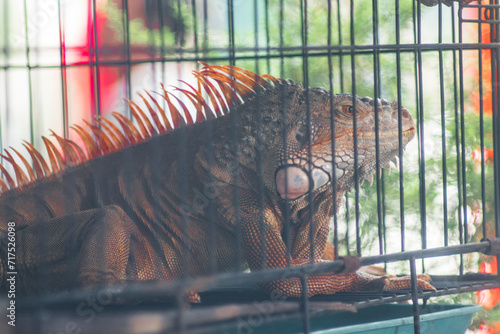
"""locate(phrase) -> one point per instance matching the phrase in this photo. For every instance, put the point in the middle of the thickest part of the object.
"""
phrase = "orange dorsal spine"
(223, 86)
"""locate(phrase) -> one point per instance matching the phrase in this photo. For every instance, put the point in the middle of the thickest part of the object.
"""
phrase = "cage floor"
(221, 308)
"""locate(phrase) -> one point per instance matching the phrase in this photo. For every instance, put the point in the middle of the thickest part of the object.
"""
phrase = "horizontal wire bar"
(343, 50)
(144, 290)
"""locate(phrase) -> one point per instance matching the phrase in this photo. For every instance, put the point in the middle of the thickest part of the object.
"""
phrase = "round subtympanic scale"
(296, 179)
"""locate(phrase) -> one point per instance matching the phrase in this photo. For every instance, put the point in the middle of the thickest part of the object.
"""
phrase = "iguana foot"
(404, 283)
(363, 281)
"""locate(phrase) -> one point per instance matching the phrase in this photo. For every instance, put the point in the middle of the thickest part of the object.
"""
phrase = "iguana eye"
(348, 110)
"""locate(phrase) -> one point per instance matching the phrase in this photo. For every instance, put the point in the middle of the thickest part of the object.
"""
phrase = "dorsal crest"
(218, 88)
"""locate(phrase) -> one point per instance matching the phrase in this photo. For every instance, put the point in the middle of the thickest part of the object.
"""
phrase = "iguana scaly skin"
(147, 202)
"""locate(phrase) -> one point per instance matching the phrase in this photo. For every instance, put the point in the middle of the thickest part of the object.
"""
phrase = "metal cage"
(62, 61)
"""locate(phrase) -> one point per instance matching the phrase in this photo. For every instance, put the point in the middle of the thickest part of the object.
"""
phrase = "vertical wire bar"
(195, 32)
(258, 135)
(355, 130)
(332, 126)
(164, 47)
(443, 127)
(341, 79)
(400, 131)
(6, 23)
(161, 21)
(149, 10)
(268, 38)
(29, 67)
(495, 89)
(481, 118)
(179, 33)
(183, 155)
(185, 186)
(457, 136)
(234, 120)
(305, 73)
(462, 121)
(230, 18)
(341, 58)
(286, 213)
(95, 62)
(420, 131)
(305, 62)
(376, 94)
(414, 296)
(155, 163)
(204, 44)
(63, 68)
(306, 323)
(495, 76)
(126, 30)
(210, 153)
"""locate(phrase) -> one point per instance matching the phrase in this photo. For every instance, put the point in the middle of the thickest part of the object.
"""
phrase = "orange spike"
(128, 127)
(185, 110)
(249, 78)
(36, 156)
(122, 140)
(229, 92)
(93, 150)
(199, 114)
(154, 115)
(174, 112)
(7, 176)
(137, 116)
(36, 164)
(26, 164)
(199, 110)
(200, 103)
(167, 126)
(145, 119)
(3, 186)
(70, 155)
(78, 149)
(55, 158)
(239, 88)
(111, 134)
(21, 176)
(270, 77)
(102, 138)
(213, 94)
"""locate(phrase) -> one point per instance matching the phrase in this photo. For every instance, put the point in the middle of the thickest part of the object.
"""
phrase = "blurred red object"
(489, 298)
(479, 33)
(488, 155)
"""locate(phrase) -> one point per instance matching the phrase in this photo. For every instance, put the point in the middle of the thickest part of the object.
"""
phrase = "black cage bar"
(436, 213)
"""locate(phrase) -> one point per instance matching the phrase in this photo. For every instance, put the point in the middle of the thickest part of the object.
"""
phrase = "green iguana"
(156, 201)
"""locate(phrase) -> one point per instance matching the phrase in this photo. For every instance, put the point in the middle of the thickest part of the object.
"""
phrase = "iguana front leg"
(259, 237)
(267, 236)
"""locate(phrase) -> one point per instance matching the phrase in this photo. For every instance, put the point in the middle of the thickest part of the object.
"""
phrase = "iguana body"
(141, 206)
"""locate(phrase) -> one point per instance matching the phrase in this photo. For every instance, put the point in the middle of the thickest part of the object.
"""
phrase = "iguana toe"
(404, 283)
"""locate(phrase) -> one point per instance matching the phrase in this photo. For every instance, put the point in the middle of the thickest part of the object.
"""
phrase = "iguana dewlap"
(162, 200)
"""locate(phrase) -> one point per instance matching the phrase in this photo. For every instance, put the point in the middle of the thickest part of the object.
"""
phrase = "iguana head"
(286, 134)
(301, 170)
